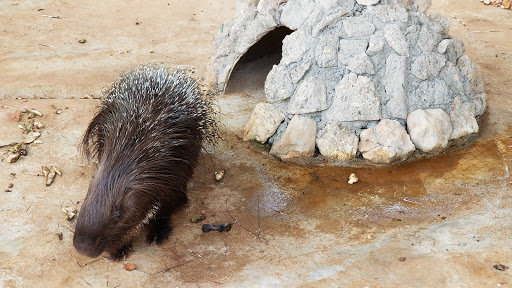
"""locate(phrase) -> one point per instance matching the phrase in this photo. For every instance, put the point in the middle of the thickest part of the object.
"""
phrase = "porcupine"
(146, 137)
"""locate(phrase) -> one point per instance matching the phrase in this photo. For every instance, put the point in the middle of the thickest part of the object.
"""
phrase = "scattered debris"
(313, 175)
(8, 190)
(82, 41)
(32, 113)
(505, 4)
(54, 17)
(397, 219)
(352, 179)
(13, 157)
(11, 185)
(15, 115)
(402, 259)
(17, 150)
(219, 175)
(221, 228)
(201, 217)
(38, 125)
(500, 267)
(58, 110)
(50, 173)
(60, 236)
(129, 266)
(70, 212)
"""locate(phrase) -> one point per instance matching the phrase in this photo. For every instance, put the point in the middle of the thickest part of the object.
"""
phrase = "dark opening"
(253, 67)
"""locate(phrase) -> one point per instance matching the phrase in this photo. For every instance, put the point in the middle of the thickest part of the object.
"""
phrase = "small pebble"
(402, 259)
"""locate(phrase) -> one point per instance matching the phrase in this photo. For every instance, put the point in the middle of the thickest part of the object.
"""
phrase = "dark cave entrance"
(251, 70)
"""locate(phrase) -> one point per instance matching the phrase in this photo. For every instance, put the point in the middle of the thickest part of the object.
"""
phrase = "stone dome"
(366, 80)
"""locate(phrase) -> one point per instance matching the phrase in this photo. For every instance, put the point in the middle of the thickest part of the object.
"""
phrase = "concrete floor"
(441, 222)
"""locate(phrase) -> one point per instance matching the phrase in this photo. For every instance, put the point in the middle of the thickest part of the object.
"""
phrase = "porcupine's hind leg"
(120, 253)
(159, 228)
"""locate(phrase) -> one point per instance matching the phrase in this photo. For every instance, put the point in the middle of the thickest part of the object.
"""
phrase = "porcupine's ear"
(93, 140)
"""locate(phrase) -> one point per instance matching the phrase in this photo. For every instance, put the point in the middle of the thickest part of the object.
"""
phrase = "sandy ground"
(442, 222)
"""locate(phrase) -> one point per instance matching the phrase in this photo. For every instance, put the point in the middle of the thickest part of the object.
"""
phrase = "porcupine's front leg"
(120, 253)
(159, 228)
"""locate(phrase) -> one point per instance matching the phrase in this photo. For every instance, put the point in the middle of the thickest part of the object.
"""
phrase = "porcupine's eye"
(117, 214)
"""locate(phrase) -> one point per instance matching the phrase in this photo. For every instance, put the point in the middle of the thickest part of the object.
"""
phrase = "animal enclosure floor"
(441, 222)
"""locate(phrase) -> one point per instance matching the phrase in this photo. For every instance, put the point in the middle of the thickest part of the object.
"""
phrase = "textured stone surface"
(355, 100)
(263, 122)
(395, 85)
(429, 129)
(336, 141)
(385, 143)
(361, 64)
(463, 119)
(326, 53)
(428, 65)
(357, 64)
(310, 96)
(298, 140)
(367, 2)
(396, 39)
(357, 27)
(278, 86)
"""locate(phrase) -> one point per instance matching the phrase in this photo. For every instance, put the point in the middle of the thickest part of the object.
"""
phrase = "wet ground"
(440, 222)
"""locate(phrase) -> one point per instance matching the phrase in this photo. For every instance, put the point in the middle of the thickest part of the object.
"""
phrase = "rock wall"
(374, 73)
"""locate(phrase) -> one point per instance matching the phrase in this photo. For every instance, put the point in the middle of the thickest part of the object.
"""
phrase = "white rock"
(326, 52)
(394, 83)
(263, 122)
(430, 93)
(427, 39)
(443, 45)
(463, 119)
(330, 20)
(310, 96)
(361, 64)
(429, 129)
(479, 101)
(294, 47)
(296, 12)
(470, 70)
(298, 72)
(297, 141)
(336, 141)
(355, 99)
(388, 13)
(427, 65)
(278, 85)
(386, 142)
(349, 48)
(357, 27)
(396, 39)
(367, 2)
(453, 78)
(376, 45)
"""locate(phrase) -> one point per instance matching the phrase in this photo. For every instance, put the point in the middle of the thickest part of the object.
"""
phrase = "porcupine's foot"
(159, 230)
(117, 254)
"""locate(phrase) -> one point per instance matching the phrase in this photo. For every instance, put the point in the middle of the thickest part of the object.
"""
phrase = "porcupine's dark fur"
(146, 137)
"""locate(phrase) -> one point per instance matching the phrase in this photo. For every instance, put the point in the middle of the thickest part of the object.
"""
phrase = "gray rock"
(330, 20)
(427, 39)
(443, 45)
(454, 50)
(396, 39)
(361, 64)
(355, 100)
(326, 52)
(463, 119)
(278, 85)
(470, 70)
(296, 12)
(295, 46)
(427, 65)
(298, 140)
(430, 94)
(349, 48)
(310, 96)
(357, 27)
(367, 2)
(388, 13)
(263, 122)
(394, 82)
(421, 5)
(298, 72)
(479, 101)
(453, 78)
(429, 129)
(337, 141)
(376, 45)
(386, 142)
